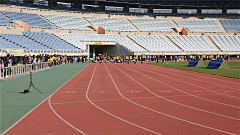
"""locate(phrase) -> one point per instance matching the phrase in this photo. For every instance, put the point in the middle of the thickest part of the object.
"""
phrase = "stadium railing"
(15, 71)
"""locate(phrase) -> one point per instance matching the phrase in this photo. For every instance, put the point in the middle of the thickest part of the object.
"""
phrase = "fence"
(14, 71)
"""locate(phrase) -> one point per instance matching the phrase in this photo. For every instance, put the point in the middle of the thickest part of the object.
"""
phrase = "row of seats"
(22, 42)
(152, 25)
(154, 43)
(8, 45)
(68, 22)
(199, 25)
(5, 21)
(50, 41)
(231, 25)
(33, 20)
(193, 43)
(76, 39)
(111, 24)
(120, 24)
(227, 43)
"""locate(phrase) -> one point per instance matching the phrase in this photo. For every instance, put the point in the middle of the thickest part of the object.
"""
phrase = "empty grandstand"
(193, 43)
(154, 43)
(33, 20)
(111, 24)
(227, 43)
(24, 43)
(62, 29)
(152, 25)
(50, 41)
(231, 25)
(67, 22)
(199, 25)
(5, 21)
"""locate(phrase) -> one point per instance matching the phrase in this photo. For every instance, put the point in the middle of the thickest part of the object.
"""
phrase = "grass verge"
(233, 72)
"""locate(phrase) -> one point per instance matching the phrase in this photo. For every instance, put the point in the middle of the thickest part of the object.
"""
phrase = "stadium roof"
(211, 3)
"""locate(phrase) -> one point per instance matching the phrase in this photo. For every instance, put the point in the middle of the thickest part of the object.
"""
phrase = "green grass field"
(233, 72)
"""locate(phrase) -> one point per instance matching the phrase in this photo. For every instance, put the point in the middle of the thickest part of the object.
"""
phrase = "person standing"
(157, 58)
(163, 58)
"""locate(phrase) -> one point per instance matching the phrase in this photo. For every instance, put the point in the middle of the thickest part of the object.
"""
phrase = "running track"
(137, 99)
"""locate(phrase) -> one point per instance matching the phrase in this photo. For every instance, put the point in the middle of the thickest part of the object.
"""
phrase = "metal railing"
(14, 71)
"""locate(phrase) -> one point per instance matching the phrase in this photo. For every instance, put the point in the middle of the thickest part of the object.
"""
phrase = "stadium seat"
(227, 43)
(193, 43)
(152, 25)
(154, 43)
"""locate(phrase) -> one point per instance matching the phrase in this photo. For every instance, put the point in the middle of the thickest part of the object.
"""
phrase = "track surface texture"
(136, 99)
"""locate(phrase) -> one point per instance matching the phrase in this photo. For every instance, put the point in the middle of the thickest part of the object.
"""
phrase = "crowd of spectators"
(55, 60)
(36, 61)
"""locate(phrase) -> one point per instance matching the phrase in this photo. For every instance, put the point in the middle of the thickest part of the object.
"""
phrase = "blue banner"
(215, 64)
(193, 63)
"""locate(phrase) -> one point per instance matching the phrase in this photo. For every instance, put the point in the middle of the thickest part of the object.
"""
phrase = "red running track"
(137, 99)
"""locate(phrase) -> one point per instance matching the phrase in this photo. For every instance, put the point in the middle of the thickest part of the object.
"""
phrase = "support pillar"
(52, 3)
(28, 1)
(150, 10)
(199, 10)
(224, 10)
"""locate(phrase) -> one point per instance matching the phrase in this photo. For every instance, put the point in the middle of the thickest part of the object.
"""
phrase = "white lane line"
(128, 98)
(189, 77)
(164, 113)
(101, 100)
(50, 105)
(39, 104)
(109, 112)
(190, 84)
(174, 101)
(183, 91)
(186, 72)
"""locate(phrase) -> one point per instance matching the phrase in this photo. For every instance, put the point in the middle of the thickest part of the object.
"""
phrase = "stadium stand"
(5, 21)
(111, 24)
(199, 25)
(68, 22)
(152, 25)
(7, 45)
(75, 39)
(231, 25)
(193, 43)
(154, 43)
(72, 39)
(30, 19)
(50, 41)
(24, 43)
(227, 43)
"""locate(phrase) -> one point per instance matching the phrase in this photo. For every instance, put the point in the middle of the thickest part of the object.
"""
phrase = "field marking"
(49, 103)
(113, 99)
(190, 84)
(167, 68)
(188, 93)
(39, 104)
(111, 113)
(189, 77)
(174, 101)
(164, 113)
